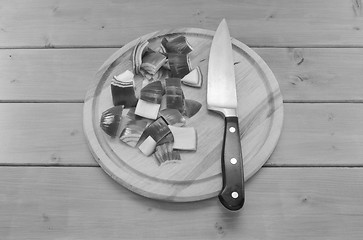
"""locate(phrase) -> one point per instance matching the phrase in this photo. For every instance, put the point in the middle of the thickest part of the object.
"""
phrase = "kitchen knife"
(222, 98)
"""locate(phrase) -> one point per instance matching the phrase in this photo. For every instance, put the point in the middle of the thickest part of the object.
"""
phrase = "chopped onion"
(157, 130)
(123, 91)
(147, 147)
(133, 131)
(185, 138)
(137, 55)
(172, 117)
(152, 92)
(152, 62)
(165, 153)
(194, 78)
(179, 64)
(174, 94)
(178, 44)
(169, 138)
(147, 109)
(110, 120)
(191, 107)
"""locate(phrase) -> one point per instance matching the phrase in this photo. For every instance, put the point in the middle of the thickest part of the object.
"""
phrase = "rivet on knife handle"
(232, 195)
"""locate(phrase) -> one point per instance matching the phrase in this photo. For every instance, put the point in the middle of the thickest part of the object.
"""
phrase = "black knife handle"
(232, 195)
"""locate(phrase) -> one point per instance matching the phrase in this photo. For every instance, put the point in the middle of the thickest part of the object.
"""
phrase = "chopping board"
(197, 175)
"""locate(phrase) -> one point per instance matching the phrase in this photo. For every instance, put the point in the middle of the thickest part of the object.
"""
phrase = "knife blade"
(222, 98)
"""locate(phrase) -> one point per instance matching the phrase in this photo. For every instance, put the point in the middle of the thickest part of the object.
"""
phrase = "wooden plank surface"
(84, 203)
(49, 74)
(47, 134)
(52, 134)
(45, 23)
(52, 188)
(307, 74)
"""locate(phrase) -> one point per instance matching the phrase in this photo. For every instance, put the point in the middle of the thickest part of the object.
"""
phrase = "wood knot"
(74, 132)
(302, 77)
(219, 229)
(45, 217)
(357, 7)
(55, 158)
(298, 56)
(270, 16)
(199, 16)
(331, 116)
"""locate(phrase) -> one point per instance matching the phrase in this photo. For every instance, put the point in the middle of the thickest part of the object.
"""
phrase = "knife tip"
(223, 22)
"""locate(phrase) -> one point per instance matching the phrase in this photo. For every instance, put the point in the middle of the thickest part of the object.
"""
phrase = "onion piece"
(169, 138)
(194, 78)
(191, 107)
(137, 54)
(175, 102)
(147, 109)
(133, 131)
(147, 147)
(179, 64)
(152, 62)
(178, 44)
(110, 120)
(152, 92)
(174, 96)
(123, 90)
(185, 138)
(165, 153)
(172, 117)
(157, 130)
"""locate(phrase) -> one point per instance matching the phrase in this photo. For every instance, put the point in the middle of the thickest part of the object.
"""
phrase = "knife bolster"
(225, 112)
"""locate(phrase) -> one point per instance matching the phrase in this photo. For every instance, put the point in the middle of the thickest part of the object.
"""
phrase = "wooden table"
(52, 188)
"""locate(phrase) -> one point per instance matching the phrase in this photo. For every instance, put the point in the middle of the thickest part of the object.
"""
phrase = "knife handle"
(232, 195)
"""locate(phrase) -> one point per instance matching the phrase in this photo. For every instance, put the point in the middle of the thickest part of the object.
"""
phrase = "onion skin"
(172, 117)
(152, 62)
(192, 107)
(174, 94)
(137, 54)
(110, 120)
(165, 153)
(123, 91)
(179, 64)
(153, 92)
(178, 44)
(133, 131)
(157, 130)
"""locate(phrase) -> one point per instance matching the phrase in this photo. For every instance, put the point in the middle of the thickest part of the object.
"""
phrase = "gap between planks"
(97, 166)
(120, 46)
(82, 101)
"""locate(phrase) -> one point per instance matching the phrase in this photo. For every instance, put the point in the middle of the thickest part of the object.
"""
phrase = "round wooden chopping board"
(198, 175)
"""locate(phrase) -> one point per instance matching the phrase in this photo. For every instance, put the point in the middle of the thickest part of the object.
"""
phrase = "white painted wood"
(84, 203)
(327, 134)
(43, 134)
(52, 23)
(303, 74)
